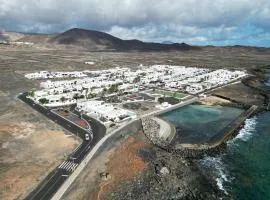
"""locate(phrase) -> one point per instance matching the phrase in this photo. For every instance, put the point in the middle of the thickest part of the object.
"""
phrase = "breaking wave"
(247, 131)
(218, 169)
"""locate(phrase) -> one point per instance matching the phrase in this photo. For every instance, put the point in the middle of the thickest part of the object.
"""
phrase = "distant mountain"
(36, 38)
(10, 36)
(96, 40)
(99, 41)
(25, 37)
(167, 42)
(86, 38)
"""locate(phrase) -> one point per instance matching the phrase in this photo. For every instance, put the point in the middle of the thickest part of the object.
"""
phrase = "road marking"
(62, 164)
(63, 167)
(68, 165)
(76, 148)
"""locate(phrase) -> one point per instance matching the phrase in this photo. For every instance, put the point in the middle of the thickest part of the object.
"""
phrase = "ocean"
(243, 171)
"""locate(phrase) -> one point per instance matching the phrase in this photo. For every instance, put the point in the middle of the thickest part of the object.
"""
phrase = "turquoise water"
(200, 123)
(244, 170)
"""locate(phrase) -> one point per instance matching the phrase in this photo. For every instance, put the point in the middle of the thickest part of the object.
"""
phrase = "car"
(86, 137)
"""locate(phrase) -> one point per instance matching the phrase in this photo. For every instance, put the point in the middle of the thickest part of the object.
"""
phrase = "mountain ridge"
(92, 39)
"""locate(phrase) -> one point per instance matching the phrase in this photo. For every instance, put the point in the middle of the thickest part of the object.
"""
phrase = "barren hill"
(96, 40)
(99, 41)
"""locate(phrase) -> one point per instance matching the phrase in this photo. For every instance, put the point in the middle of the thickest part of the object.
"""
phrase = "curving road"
(47, 187)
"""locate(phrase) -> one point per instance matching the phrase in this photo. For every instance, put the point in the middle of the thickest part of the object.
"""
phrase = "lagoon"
(201, 124)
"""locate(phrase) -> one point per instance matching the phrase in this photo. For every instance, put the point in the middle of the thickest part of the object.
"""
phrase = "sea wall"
(195, 151)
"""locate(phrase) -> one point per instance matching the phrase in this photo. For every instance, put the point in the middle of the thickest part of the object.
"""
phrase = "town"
(118, 94)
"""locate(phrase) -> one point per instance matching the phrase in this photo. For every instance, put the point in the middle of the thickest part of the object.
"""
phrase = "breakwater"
(197, 151)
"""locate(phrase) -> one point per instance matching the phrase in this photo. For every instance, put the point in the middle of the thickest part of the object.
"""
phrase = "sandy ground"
(29, 151)
(30, 144)
(212, 100)
(166, 130)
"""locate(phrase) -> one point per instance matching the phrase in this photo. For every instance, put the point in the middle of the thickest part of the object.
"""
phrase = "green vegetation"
(112, 89)
(91, 95)
(43, 100)
(170, 93)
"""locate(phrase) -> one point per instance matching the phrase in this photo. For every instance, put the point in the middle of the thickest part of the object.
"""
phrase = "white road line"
(74, 166)
(66, 162)
(71, 167)
(66, 165)
(62, 164)
(76, 148)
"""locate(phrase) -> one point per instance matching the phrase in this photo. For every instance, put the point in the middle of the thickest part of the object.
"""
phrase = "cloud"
(195, 21)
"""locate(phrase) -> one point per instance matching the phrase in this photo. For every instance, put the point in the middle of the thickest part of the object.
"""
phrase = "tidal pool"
(201, 124)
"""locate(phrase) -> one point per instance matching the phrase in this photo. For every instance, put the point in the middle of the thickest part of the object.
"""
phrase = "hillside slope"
(96, 40)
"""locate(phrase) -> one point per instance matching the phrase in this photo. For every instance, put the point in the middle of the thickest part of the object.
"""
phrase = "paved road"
(46, 189)
(58, 195)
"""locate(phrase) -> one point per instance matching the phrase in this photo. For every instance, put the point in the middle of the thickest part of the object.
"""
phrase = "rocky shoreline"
(168, 176)
(188, 157)
(151, 129)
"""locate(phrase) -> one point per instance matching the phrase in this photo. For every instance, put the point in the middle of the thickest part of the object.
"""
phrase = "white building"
(104, 110)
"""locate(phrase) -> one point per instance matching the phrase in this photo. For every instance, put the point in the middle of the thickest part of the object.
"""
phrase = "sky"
(197, 22)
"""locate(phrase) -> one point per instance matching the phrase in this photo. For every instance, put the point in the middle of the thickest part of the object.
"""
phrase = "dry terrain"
(212, 100)
(31, 145)
(117, 163)
(241, 93)
(133, 168)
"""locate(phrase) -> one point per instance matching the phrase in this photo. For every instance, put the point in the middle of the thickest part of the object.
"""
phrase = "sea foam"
(244, 135)
(247, 131)
(216, 164)
(218, 169)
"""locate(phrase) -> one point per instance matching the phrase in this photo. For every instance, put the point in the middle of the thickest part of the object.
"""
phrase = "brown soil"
(28, 153)
(14, 183)
(241, 93)
(124, 164)
(212, 100)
